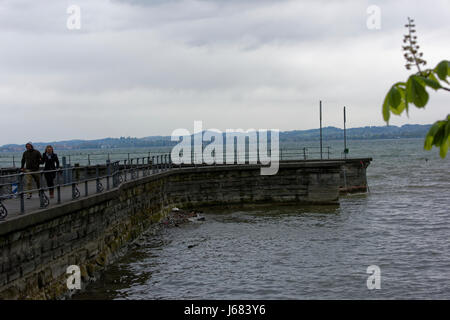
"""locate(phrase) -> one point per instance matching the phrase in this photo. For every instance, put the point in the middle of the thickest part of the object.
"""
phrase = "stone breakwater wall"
(36, 248)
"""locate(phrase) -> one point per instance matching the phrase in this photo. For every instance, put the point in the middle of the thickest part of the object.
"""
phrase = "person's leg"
(28, 183)
(50, 184)
(37, 179)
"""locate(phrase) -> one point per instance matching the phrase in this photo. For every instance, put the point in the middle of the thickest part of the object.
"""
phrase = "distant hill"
(333, 133)
(329, 133)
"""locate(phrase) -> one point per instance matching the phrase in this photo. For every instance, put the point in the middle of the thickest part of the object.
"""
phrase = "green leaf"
(394, 97)
(447, 127)
(415, 92)
(386, 113)
(397, 97)
(444, 148)
(438, 136)
(432, 83)
(429, 139)
(431, 76)
(446, 140)
(443, 70)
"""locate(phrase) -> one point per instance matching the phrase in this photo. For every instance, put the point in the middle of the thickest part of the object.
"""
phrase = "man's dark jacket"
(32, 159)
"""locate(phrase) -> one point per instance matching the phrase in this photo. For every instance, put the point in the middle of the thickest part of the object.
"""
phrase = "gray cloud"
(147, 67)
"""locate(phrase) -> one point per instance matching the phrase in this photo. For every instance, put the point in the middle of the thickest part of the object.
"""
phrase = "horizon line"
(165, 136)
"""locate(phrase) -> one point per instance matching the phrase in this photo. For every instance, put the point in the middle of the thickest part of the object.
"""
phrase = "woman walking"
(51, 163)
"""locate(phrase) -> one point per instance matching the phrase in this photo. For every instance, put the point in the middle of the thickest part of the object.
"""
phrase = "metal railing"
(76, 181)
(89, 159)
(8, 160)
(87, 180)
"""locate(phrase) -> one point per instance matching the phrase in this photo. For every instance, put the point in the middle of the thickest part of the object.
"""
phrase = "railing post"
(116, 174)
(153, 164)
(97, 180)
(14, 162)
(58, 187)
(42, 203)
(113, 174)
(86, 191)
(21, 194)
(137, 168)
(108, 173)
(125, 170)
(133, 174)
(64, 165)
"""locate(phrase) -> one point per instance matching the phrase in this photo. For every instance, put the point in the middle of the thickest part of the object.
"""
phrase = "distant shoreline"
(329, 133)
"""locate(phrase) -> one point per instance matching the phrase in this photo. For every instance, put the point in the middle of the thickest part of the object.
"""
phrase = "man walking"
(31, 159)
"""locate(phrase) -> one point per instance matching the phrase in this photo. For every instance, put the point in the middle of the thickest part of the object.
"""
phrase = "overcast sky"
(140, 68)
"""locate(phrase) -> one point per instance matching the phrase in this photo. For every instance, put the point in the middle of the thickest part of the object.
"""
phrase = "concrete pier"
(37, 247)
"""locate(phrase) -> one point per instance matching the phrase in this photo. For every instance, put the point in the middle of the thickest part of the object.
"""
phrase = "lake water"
(308, 252)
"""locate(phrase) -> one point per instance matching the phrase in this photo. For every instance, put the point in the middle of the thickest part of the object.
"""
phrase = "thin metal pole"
(345, 135)
(320, 129)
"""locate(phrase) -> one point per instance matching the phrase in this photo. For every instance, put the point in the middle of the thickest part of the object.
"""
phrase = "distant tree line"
(329, 133)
